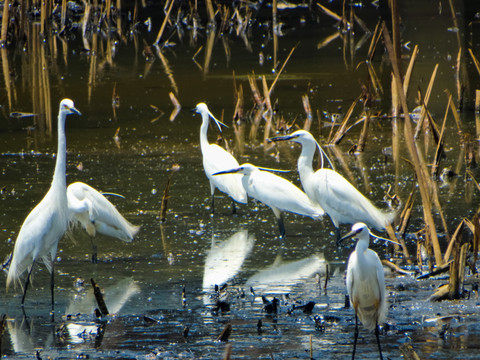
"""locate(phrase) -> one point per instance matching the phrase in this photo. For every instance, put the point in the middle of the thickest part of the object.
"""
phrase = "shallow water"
(143, 280)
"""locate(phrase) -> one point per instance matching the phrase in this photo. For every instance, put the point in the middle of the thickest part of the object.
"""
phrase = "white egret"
(47, 222)
(335, 194)
(95, 213)
(366, 284)
(216, 159)
(275, 192)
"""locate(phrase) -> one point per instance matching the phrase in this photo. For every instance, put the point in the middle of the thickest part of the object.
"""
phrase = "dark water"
(143, 280)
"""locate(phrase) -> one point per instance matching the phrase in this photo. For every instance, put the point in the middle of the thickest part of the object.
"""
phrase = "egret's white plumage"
(336, 195)
(276, 192)
(47, 222)
(216, 159)
(95, 213)
(366, 283)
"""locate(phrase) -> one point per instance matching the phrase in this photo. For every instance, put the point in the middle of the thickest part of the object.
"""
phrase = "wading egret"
(95, 213)
(216, 159)
(366, 284)
(275, 192)
(47, 222)
(335, 194)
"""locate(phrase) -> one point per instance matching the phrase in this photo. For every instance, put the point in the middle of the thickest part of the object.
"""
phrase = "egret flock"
(324, 191)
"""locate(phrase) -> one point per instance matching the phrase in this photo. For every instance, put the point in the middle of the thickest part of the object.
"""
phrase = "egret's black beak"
(281, 138)
(75, 111)
(231, 171)
(347, 236)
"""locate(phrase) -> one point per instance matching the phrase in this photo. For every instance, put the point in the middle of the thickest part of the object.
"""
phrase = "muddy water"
(143, 281)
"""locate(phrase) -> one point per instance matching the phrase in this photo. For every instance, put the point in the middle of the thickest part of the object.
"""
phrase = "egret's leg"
(212, 208)
(94, 251)
(27, 282)
(355, 337)
(377, 333)
(52, 283)
(52, 293)
(338, 235)
(234, 208)
(281, 226)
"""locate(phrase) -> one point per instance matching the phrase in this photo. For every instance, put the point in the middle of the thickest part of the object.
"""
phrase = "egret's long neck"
(203, 131)
(361, 247)
(59, 176)
(305, 160)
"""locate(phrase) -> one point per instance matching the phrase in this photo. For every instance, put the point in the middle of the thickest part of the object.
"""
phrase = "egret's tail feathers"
(372, 315)
(377, 218)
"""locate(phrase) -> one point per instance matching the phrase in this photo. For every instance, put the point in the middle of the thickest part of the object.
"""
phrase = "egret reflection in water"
(115, 297)
(225, 259)
(281, 276)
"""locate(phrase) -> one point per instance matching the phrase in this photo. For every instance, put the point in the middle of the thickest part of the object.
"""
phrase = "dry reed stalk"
(477, 101)
(45, 88)
(460, 86)
(376, 84)
(255, 91)
(99, 297)
(421, 174)
(268, 114)
(166, 191)
(308, 112)
(396, 34)
(377, 33)
(408, 73)
(456, 237)
(420, 122)
(108, 5)
(332, 14)
(63, 15)
(408, 352)
(6, 76)
(208, 51)
(475, 228)
(328, 40)
(166, 68)
(228, 352)
(475, 61)
(43, 17)
(281, 69)
(176, 104)
(342, 129)
(439, 153)
(395, 268)
(93, 67)
(455, 115)
(396, 108)
(210, 11)
(164, 23)
(5, 20)
(457, 269)
(238, 114)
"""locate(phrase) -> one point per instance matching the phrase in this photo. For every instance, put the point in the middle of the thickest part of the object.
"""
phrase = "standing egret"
(95, 213)
(47, 222)
(366, 284)
(275, 192)
(216, 159)
(338, 197)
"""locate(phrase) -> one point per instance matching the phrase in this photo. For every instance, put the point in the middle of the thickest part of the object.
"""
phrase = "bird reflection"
(115, 298)
(225, 259)
(280, 276)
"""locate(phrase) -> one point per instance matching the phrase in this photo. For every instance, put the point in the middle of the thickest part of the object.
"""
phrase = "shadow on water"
(174, 289)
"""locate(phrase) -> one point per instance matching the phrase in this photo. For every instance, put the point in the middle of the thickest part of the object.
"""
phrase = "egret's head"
(67, 106)
(359, 231)
(244, 169)
(299, 136)
(202, 108)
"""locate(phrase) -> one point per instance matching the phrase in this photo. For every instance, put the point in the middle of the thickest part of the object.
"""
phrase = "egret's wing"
(102, 213)
(216, 159)
(275, 191)
(346, 203)
(38, 238)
